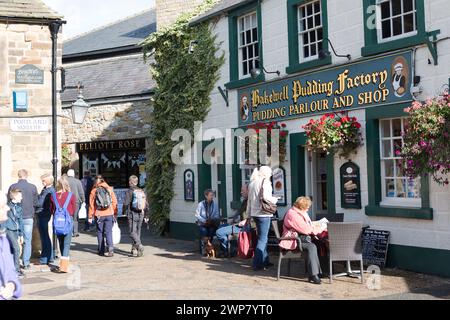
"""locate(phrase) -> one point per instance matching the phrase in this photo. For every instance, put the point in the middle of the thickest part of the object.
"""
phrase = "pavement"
(174, 270)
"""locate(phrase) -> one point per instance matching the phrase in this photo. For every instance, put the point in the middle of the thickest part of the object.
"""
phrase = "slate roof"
(35, 9)
(117, 77)
(124, 33)
(221, 7)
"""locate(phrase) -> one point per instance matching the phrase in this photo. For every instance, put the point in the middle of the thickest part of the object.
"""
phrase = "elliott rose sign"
(378, 81)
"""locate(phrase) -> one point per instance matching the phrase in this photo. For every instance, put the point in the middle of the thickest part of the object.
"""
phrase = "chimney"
(167, 11)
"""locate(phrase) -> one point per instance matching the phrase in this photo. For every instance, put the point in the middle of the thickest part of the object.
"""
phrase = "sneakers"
(315, 279)
(109, 254)
(140, 251)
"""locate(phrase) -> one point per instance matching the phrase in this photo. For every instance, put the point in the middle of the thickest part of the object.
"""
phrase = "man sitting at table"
(241, 221)
(297, 223)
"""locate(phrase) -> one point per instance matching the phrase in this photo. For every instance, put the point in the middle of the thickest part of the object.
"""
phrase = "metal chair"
(345, 243)
(286, 254)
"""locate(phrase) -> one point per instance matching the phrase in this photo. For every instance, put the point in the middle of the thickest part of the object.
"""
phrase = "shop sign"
(369, 83)
(350, 186)
(29, 125)
(118, 145)
(29, 74)
(279, 185)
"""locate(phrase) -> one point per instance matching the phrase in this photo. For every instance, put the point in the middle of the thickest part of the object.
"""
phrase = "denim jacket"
(202, 214)
(15, 218)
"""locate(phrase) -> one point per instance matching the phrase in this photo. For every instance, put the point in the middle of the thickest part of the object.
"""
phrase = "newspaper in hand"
(322, 223)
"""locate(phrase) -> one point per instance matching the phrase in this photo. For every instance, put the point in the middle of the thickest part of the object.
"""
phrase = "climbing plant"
(184, 80)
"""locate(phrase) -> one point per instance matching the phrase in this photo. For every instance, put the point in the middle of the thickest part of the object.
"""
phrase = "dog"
(209, 248)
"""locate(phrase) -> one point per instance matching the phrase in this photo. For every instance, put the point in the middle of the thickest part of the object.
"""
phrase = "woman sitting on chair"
(297, 222)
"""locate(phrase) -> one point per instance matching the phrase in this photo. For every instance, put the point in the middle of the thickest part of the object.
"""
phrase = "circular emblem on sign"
(349, 170)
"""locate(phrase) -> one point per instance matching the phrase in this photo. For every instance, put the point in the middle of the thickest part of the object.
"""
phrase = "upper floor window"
(397, 189)
(248, 44)
(310, 30)
(396, 18)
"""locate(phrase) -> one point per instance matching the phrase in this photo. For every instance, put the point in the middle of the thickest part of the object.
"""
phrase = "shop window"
(90, 164)
(397, 189)
(244, 24)
(307, 29)
(113, 169)
(248, 44)
(396, 24)
(136, 166)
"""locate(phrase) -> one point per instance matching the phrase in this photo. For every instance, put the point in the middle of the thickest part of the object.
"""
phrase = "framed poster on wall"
(279, 185)
(189, 186)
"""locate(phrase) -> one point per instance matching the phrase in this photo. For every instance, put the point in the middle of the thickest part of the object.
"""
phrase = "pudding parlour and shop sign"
(378, 81)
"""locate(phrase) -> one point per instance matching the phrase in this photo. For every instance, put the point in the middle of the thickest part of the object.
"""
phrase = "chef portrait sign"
(350, 186)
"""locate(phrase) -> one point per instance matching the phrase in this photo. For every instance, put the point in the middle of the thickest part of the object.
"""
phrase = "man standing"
(29, 203)
(88, 183)
(77, 189)
(44, 215)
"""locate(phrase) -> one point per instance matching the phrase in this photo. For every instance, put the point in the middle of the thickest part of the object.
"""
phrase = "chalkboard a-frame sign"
(350, 186)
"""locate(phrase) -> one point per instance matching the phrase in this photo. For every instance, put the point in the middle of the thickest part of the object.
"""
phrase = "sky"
(85, 15)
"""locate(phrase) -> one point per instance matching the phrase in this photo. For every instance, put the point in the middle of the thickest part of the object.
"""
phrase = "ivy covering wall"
(184, 82)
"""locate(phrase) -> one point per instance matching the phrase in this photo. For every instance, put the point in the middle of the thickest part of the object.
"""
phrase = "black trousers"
(135, 221)
(312, 259)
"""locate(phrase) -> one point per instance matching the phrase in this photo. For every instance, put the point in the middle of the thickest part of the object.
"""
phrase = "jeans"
(205, 232)
(135, 221)
(13, 238)
(104, 229)
(46, 243)
(261, 258)
(224, 232)
(64, 244)
(75, 219)
(27, 238)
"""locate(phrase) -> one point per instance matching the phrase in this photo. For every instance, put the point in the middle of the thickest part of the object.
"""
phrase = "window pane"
(305, 38)
(309, 10)
(312, 36)
(386, 149)
(250, 52)
(401, 188)
(310, 23)
(313, 49)
(303, 25)
(244, 54)
(306, 51)
(414, 188)
(408, 22)
(407, 5)
(255, 35)
(250, 65)
(248, 36)
(257, 64)
(254, 23)
(320, 46)
(385, 10)
(241, 24)
(397, 146)
(399, 165)
(397, 127)
(317, 20)
(390, 188)
(242, 39)
(386, 29)
(385, 128)
(256, 49)
(317, 7)
(245, 68)
(388, 168)
(302, 12)
(397, 26)
(396, 7)
(319, 34)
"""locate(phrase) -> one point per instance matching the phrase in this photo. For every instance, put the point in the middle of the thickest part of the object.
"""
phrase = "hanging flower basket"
(261, 140)
(427, 139)
(334, 133)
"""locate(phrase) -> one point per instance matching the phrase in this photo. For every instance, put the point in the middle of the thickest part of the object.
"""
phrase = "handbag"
(82, 214)
(116, 233)
(246, 244)
(266, 205)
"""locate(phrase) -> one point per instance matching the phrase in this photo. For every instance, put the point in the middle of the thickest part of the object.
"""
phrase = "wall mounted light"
(192, 46)
(256, 72)
(323, 54)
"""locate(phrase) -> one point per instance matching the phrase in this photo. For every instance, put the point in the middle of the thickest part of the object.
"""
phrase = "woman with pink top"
(297, 222)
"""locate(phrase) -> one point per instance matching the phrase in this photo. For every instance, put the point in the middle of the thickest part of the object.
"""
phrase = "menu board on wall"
(350, 186)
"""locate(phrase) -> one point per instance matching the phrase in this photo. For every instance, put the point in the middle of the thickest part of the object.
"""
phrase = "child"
(10, 287)
(14, 226)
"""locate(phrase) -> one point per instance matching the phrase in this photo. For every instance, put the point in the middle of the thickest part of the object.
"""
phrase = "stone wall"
(22, 44)
(167, 11)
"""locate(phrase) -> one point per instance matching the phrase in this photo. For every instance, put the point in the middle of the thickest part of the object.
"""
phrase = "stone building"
(118, 86)
(167, 11)
(405, 39)
(26, 89)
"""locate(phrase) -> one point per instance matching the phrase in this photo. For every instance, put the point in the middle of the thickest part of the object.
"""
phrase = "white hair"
(71, 173)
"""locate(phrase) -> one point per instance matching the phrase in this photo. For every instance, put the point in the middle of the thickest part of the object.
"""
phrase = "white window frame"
(252, 43)
(393, 201)
(307, 31)
(391, 17)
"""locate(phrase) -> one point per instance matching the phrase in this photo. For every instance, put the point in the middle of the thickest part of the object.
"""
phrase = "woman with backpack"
(63, 207)
(103, 206)
(135, 206)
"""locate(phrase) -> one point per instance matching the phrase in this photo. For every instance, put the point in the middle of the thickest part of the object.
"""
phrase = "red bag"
(246, 244)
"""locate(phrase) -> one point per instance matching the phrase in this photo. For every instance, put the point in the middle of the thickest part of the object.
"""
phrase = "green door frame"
(298, 171)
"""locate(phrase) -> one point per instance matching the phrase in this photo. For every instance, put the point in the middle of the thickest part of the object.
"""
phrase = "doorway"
(317, 182)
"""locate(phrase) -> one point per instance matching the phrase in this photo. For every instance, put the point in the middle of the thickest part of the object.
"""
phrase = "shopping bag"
(116, 233)
(82, 214)
(246, 244)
